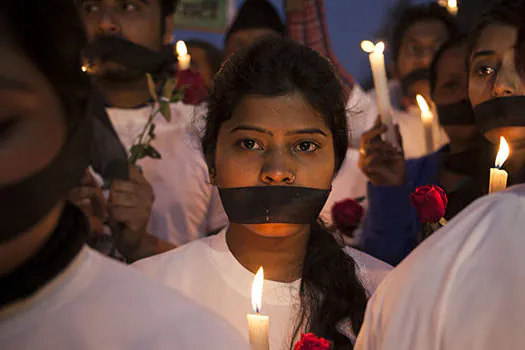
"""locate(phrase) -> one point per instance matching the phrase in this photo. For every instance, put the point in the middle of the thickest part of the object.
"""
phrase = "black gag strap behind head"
(460, 113)
(500, 112)
(133, 56)
(412, 77)
(273, 204)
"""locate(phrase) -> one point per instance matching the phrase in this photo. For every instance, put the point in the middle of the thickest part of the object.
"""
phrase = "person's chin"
(114, 72)
(275, 230)
(515, 136)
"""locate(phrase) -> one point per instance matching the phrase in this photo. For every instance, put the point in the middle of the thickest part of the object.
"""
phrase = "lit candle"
(498, 177)
(428, 123)
(452, 7)
(377, 63)
(182, 55)
(257, 323)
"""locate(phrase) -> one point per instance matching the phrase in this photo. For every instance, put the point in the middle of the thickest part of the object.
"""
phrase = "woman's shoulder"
(371, 271)
(165, 264)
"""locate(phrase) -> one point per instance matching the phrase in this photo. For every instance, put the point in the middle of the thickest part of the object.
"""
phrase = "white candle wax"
(498, 180)
(258, 331)
(184, 62)
(427, 118)
(377, 63)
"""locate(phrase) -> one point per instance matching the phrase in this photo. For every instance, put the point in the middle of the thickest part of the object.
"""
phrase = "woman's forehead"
(496, 38)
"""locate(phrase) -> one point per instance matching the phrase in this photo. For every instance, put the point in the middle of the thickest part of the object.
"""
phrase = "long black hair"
(330, 291)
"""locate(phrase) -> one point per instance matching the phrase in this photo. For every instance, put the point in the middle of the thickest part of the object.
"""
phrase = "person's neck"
(281, 257)
(458, 146)
(515, 162)
(129, 94)
(23, 247)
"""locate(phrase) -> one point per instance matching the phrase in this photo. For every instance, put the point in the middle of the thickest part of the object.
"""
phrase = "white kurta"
(186, 206)
(207, 272)
(99, 304)
(463, 288)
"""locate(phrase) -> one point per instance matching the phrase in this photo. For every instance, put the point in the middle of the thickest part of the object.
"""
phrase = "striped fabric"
(308, 27)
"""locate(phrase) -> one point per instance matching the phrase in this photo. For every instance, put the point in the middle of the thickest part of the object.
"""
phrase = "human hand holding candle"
(428, 123)
(377, 63)
(258, 324)
(182, 55)
(498, 177)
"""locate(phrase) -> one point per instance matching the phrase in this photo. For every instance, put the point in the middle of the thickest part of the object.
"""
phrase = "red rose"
(310, 341)
(430, 203)
(193, 85)
(347, 215)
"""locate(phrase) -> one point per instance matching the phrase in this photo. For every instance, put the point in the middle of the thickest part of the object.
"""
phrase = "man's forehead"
(426, 30)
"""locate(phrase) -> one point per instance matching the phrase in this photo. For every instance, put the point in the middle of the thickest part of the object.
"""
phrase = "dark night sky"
(350, 22)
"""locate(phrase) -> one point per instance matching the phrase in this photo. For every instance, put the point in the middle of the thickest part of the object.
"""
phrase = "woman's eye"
(90, 7)
(128, 7)
(485, 71)
(250, 144)
(306, 146)
(451, 85)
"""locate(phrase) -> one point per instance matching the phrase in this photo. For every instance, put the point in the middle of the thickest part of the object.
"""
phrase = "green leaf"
(152, 87)
(360, 199)
(136, 152)
(152, 152)
(168, 89)
(179, 95)
(164, 108)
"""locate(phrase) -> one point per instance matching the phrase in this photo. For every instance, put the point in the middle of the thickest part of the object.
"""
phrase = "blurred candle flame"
(182, 50)
(426, 114)
(257, 290)
(503, 152)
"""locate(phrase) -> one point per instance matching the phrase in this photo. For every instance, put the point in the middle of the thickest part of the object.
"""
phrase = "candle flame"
(423, 106)
(452, 7)
(367, 46)
(380, 47)
(84, 69)
(257, 290)
(181, 48)
(503, 152)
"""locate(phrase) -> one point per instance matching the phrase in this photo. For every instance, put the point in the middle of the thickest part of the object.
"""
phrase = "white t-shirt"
(186, 206)
(99, 304)
(350, 182)
(207, 272)
(361, 113)
(463, 288)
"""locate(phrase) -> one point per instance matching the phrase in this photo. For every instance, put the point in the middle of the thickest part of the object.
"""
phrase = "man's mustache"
(119, 50)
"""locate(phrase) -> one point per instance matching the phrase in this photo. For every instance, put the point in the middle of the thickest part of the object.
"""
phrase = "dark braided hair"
(330, 290)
